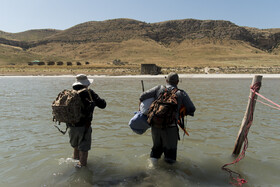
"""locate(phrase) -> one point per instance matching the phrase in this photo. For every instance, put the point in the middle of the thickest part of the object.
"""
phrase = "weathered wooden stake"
(240, 137)
(142, 82)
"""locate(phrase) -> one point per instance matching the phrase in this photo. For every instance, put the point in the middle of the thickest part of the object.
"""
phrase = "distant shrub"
(41, 63)
(78, 63)
(50, 63)
(118, 62)
(60, 63)
(87, 63)
(69, 63)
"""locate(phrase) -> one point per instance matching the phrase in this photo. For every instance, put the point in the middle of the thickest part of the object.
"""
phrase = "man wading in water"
(165, 132)
(80, 133)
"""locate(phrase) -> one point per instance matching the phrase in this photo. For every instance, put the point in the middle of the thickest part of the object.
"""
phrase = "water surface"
(34, 153)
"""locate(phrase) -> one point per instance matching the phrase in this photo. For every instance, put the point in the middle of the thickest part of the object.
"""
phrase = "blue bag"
(139, 123)
(145, 105)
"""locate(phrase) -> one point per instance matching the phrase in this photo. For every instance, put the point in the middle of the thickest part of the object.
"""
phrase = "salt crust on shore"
(162, 76)
(207, 76)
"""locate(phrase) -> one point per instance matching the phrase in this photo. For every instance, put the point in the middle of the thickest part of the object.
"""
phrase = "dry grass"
(190, 53)
(30, 35)
(65, 70)
(171, 44)
(16, 55)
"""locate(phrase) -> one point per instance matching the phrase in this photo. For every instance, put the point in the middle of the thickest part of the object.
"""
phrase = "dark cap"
(172, 78)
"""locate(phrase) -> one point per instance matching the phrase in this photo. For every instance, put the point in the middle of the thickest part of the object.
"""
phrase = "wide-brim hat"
(82, 79)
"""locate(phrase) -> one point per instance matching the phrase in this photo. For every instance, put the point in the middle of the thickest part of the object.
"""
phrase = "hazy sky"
(22, 15)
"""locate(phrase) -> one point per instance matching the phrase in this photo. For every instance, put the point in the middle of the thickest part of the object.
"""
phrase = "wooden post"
(240, 137)
(143, 89)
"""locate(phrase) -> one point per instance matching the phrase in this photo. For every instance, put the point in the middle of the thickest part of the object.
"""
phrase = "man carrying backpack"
(163, 116)
(80, 133)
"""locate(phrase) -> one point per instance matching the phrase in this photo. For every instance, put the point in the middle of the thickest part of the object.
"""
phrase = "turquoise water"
(34, 153)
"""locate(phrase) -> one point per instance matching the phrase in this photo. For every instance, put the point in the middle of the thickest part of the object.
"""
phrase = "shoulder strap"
(162, 89)
(174, 90)
(63, 132)
(90, 95)
(81, 90)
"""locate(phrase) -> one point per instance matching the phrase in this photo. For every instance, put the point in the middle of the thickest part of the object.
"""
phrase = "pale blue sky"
(22, 15)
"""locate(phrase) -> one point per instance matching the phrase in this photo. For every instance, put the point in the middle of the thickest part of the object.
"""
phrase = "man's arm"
(150, 93)
(190, 108)
(99, 102)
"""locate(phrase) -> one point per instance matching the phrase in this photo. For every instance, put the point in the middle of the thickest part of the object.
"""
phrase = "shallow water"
(34, 153)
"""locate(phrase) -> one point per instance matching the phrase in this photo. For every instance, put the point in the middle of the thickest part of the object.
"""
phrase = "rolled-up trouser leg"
(80, 137)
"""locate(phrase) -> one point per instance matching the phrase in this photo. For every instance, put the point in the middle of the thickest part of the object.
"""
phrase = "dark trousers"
(165, 141)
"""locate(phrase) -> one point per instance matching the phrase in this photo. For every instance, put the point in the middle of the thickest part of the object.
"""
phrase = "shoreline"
(203, 76)
(134, 71)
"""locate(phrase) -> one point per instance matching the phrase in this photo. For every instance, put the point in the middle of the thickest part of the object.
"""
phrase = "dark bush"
(50, 63)
(59, 63)
(41, 63)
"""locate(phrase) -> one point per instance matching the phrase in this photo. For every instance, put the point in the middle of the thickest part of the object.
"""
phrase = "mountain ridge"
(117, 30)
(129, 39)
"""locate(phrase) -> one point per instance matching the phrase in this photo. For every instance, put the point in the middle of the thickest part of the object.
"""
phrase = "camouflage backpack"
(67, 107)
(162, 111)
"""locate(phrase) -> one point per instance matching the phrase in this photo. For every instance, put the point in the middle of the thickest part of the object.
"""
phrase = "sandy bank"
(206, 76)
(199, 76)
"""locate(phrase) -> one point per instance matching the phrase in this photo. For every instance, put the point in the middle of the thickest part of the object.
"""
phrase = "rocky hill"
(31, 35)
(170, 38)
(118, 30)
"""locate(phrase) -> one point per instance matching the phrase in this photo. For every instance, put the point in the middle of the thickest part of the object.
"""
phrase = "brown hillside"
(105, 31)
(182, 43)
(118, 30)
(16, 55)
(199, 52)
(31, 35)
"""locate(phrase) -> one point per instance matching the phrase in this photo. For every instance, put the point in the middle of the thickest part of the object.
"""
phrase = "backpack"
(67, 107)
(162, 111)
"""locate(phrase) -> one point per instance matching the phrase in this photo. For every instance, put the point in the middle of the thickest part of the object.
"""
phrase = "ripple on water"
(31, 146)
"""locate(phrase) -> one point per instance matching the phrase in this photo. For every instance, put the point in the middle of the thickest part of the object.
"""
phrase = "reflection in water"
(34, 153)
